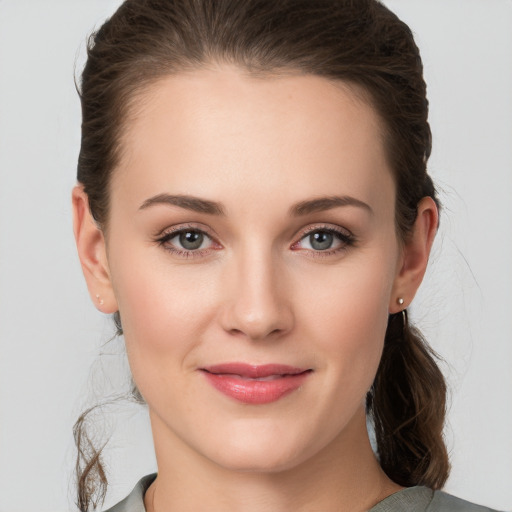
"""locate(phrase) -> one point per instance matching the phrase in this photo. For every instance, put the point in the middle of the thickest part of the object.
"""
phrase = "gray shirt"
(412, 499)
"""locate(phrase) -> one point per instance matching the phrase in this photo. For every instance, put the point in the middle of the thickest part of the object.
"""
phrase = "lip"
(255, 384)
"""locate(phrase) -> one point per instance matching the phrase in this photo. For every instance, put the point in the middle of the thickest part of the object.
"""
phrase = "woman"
(253, 207)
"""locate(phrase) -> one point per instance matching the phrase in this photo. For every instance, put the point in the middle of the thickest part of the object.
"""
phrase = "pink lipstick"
(252, 384)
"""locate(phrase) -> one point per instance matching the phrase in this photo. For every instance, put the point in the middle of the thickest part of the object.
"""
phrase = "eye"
(186, 241)
(325, 240)
(321, 240)
(190, 240)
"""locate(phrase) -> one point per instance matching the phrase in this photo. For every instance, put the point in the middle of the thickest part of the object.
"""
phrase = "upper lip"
(253, 371)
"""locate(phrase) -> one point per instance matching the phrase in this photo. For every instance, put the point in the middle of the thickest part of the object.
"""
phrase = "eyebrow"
(327, 203)
(187, 202)
(213, 208)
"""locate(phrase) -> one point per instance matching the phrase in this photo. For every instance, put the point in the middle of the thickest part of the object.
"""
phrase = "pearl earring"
(100, 300)
(400, 302)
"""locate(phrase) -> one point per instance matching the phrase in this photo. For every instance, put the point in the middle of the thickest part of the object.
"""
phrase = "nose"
(258, 303)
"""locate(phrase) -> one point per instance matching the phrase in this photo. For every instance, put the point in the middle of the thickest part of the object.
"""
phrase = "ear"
(90, 243)
(415, 254)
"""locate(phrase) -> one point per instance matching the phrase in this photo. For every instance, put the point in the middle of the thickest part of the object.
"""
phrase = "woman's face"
(253, 257)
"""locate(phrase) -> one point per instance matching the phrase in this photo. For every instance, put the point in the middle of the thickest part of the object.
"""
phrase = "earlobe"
(415, 255)
(90, 243)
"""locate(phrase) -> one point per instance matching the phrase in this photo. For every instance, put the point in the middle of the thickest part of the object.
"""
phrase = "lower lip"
(254, 391)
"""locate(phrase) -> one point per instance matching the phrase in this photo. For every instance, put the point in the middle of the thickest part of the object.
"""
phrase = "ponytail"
(408, 405)
(89, 468)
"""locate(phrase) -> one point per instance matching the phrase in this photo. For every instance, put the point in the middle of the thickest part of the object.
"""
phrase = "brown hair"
(359, 42)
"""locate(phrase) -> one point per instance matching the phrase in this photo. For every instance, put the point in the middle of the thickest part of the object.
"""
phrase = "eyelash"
(165, 237)
(347, 240)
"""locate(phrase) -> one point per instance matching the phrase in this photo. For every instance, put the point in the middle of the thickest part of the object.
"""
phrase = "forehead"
(199, 132)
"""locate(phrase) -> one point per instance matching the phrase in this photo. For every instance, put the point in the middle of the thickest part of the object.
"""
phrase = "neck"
(344, 476)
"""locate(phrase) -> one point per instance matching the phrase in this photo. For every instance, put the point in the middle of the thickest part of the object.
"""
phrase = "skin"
(257, 290)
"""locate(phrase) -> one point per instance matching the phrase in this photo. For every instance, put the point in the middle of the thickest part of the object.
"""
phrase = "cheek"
(355, 295)
(164, 309)
(348, 319)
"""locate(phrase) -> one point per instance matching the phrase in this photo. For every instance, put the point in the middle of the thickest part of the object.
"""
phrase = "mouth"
(255, 384)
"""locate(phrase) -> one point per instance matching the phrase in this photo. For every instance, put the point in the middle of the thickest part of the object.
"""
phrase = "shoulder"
(423, 499)
(134, 502)
(443, 502)
(412, 499)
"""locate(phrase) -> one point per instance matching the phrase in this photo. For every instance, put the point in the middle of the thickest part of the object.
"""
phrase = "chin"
(259, 454)
(251, 462)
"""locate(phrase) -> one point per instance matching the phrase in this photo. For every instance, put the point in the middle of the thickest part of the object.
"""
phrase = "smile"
(251, 384)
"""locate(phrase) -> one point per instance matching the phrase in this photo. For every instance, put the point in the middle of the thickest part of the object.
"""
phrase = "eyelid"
(325, 227)
(177, 228)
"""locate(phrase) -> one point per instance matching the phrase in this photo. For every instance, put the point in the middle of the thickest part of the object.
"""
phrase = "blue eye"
(328, 240)
(185, 241)
(321, 240)
(191, 240)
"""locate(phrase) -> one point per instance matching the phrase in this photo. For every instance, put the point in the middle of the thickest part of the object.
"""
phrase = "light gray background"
(50, 334)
